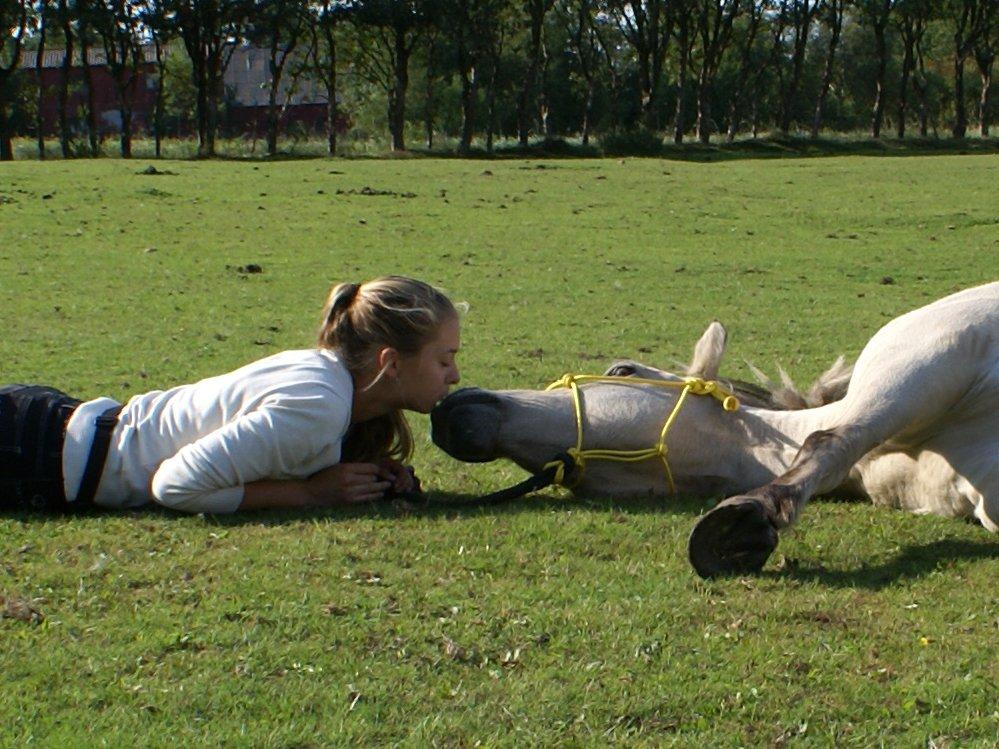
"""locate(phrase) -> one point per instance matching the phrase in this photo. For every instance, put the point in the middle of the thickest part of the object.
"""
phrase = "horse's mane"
(786, 396)
(830, 386)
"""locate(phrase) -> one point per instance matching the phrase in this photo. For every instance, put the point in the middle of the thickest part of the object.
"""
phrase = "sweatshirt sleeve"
(274, 441)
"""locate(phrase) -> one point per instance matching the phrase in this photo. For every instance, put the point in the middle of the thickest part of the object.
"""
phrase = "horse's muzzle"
(466, 425)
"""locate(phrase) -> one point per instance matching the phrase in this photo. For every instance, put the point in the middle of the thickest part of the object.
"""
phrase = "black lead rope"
(539, 480)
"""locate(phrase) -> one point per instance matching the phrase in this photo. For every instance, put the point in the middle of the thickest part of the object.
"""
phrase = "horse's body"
(917, 429)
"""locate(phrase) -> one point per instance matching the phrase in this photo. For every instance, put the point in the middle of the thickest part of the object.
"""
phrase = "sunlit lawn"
(549, 621)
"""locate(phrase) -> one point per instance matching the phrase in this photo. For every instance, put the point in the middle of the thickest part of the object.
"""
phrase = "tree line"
(485, 69)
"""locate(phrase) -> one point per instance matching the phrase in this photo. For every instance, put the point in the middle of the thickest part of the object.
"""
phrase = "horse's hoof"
(736, 537)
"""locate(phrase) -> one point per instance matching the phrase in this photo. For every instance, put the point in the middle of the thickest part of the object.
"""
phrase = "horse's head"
(531, 427)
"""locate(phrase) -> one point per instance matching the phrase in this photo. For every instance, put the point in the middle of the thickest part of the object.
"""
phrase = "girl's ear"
(388, 362)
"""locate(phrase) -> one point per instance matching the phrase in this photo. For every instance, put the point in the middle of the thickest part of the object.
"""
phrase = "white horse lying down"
(917, 428)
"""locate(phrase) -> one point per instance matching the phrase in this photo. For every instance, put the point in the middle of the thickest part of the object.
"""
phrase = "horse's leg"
(741, 532)
(898, 390)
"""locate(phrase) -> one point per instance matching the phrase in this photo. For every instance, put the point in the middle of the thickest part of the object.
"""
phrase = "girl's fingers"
(366, 496)
(368, 490)
(359, 479)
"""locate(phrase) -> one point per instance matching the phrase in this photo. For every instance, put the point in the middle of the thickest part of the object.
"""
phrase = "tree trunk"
(960, 128)
(158, 105)
(201, 107)
(469, 94)
(326, 70)
(801, 27)
(397, 101)
(733, 118)
(587, 109)
(491, 107)
(921, 88)
(704, 126)
(331, 115)
(984, 60)
(428, 112)
(903, 93)
(67, 67)
(646, 94)
(878, 114)
(836, 26)
(126, 131)
(524, 106)
(39, 72)
(544, 101)
(93, 132)
(920, 83)
(209, 95)
(983, 104)
(332, 109)
(681, 81)
(274, 113)
(715, 22)
(790, 93)
(273, 119)
(430, 98)
(738, 93)
(212, 125)
(6, 142)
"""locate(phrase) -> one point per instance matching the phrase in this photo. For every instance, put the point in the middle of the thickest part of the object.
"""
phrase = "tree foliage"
(547, 68)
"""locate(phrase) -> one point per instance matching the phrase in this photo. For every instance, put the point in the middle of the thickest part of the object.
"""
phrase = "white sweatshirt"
(193, 447)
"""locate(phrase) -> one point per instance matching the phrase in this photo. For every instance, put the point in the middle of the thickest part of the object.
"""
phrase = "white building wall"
(248, 80)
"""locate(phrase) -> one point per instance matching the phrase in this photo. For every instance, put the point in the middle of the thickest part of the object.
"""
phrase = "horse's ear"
(708, 352)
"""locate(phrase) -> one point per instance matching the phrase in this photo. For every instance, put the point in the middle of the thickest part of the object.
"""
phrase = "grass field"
(546, 622)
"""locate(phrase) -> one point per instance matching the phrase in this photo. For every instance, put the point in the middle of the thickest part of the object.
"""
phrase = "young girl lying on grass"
(315, 427)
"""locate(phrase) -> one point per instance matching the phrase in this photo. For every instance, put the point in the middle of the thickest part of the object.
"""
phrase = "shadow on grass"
(435, 505)
(760, 148)
(651, 145)
(912, 562)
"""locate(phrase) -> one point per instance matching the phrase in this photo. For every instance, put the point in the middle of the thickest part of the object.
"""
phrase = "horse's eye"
(621, 370)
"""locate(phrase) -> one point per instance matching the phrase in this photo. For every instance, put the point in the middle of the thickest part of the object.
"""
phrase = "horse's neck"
(773, 438)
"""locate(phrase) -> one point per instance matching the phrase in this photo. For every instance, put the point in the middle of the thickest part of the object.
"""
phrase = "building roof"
(53, 58)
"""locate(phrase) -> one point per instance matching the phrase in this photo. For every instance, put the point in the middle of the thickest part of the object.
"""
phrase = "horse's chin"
(466, 425)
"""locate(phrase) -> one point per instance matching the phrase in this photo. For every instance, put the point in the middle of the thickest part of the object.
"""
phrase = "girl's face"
(427, 376)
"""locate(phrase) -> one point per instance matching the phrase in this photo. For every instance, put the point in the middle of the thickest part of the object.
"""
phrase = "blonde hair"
(358, 319)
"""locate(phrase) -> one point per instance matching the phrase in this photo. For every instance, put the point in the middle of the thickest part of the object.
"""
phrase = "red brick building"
(247, 82)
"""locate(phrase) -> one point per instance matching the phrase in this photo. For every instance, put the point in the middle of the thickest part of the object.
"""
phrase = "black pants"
(32, 430)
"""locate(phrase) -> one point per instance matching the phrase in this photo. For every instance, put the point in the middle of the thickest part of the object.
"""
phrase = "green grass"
(549, 621)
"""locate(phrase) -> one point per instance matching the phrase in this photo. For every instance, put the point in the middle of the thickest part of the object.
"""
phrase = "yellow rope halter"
(694, 385)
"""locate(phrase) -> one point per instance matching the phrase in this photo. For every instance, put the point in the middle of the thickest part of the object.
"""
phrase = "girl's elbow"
(169, 494)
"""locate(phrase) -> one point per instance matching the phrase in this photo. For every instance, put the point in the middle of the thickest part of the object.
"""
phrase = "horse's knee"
(822, 441)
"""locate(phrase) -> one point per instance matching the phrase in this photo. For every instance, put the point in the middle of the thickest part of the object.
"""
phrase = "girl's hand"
(349, 483)
(402, 477)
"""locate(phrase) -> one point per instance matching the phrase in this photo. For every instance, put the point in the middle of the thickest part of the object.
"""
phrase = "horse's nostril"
(466, 430)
